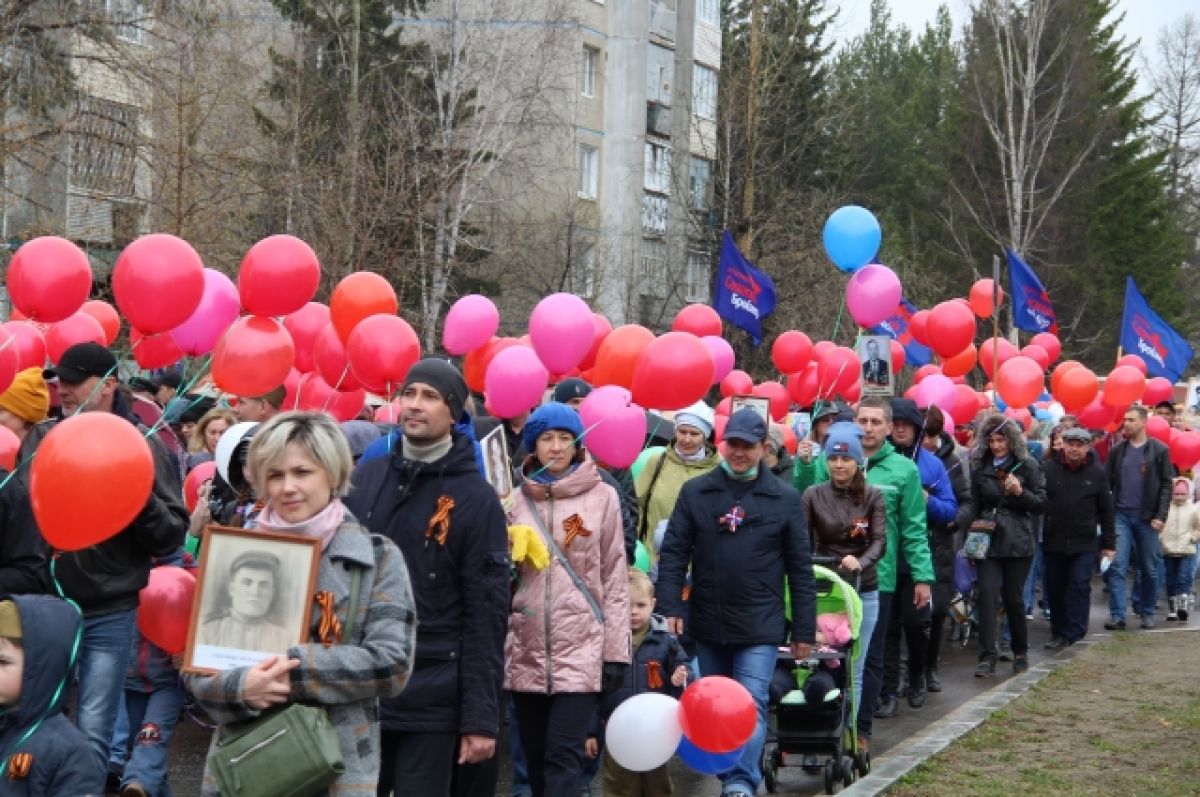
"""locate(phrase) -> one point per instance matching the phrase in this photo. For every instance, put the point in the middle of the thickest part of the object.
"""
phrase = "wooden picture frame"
(760, 404)
(232, 624)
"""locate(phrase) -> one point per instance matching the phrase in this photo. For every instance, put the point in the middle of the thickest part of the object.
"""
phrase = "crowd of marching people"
(446, 612)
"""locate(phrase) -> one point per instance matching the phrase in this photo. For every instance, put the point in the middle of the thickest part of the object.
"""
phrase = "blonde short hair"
(640, 581)
(317, 433)
(197, 442)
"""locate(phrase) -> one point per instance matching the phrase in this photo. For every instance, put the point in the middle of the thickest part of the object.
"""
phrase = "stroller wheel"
(862, 762)
(847, 770)
(770, 767)
(832, 776)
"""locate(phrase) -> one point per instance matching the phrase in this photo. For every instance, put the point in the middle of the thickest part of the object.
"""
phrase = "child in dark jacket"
(154, 699)
(659, 665)
(43, 753)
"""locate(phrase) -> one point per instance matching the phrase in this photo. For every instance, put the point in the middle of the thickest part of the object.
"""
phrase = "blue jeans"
(1136, 539)
(870, 616)
(1179, 574)
(103, 659)
(750, 666)
(1037, 572)
(144, 750)
(520, 779)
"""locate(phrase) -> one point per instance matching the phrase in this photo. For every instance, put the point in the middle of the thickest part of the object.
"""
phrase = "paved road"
(957, 671)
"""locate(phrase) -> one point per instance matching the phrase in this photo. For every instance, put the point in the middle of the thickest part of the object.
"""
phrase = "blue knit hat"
(845, 440)
(551, 415)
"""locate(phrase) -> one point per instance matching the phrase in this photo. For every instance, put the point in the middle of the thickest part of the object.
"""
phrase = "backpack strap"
(644, 520)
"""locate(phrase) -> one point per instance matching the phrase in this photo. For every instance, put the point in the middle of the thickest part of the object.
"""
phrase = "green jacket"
(656, 504)
(899, 480)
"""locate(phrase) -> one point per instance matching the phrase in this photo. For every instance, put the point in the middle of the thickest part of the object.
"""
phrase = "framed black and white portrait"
(496, 465)
(254, 598)
(760, 404)
(875, 354)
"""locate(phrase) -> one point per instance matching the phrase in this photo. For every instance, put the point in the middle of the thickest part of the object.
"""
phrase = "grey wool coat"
(346, 679)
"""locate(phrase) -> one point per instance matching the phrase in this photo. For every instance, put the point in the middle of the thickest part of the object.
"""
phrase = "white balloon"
(644, 732)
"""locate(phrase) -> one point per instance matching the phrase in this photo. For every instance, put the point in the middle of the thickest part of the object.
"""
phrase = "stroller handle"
(833, 563)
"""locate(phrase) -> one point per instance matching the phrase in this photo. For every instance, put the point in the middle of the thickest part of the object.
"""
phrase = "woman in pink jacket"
(568, 634)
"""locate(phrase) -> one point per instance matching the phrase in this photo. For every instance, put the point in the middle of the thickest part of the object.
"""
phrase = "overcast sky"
(1143, 18)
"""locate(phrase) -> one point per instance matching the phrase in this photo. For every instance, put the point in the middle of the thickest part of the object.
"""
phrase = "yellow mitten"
(526, 546)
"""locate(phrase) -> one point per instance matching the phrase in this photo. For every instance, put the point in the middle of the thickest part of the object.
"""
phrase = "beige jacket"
(1181, 532)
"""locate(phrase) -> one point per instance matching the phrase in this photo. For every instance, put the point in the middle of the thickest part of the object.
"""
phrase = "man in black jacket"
(1140, 472)
(105, 579)
(742, 529)
(1077, 500)
(429, 497)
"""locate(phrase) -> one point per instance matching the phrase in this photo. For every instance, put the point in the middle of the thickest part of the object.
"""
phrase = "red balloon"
(717, 714)
(1185, 450)
(898, 356)
(106, 314)
(1159, 429)
(789, 439)
(791, 351)
(91, 477)
(1020, 381)
(619, 355)
(305, 325)
(675, 371)
(332, 361)
(781, 402)
(476, 362)
(278, 276)
(961, 363)
(981, 300)
(1077, 388)
(723, 407)
(950, 328)
(1096, 415)
(381, 350)
(1037, 354)
(79, 328)
(10, 359)
(737, 383)
(838, 370)
(358, 296)
(10, 444)
(698, 319)
(291, 390)
(49, 279)
(804, 386)
(853, 393)
(1059, 371)
(820, 347)
(314, 393)
(1157, 391)
(154, 351)
(158, 282)
(1135, 361)
(194, 481)
(1124, 386)
(30, 344)
(966, 404)
(1050, 343)
(1021, 416)
(916, 327)
(253, 357)
(926, 370)
(162, 606)
(600, 329)
(1004, 351)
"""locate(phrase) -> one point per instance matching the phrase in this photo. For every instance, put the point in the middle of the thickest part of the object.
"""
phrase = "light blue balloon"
(851, 237)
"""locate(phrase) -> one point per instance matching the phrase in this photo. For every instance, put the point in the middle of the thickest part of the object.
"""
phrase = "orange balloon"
(1077, 388)
(476, 363)
(619, 354)
(92, 476)
(961, 363)
(106, 314)
(357, 296)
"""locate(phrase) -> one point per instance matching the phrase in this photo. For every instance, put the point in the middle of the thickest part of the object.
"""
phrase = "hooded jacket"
(1014, 535)
(832, 514)
(107, 577)
(660, 651)
(62, 759)
(556, 643)
(460, 587)
(738, 577)
(1077, 501)
(1181, 532)
(655, 503)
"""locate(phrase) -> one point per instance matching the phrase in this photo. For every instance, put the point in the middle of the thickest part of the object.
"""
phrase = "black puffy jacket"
(1016, 530)
(461, 587)
(1077, 500)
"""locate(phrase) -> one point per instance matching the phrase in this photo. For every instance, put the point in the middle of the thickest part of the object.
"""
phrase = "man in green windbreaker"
(899, 480)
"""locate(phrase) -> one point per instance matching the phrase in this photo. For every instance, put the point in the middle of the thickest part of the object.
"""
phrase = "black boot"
(916, 694)
(932, 682)
(889, 707)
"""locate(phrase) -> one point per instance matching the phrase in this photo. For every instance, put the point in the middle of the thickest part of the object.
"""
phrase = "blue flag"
(744, 295)
(1032, 310)
(1146, 334)
(896, 328)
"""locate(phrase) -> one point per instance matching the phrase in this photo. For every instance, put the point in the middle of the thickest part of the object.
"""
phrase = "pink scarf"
(322, 525)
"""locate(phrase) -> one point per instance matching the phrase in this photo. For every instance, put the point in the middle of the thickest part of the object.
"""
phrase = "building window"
(654, 214)
(581, 279)
(587, 80)
(704, 92)
(660, 74)
(699, 178)
(709, 11)
(104, 147)
(658, 168)
(127, 17)
(696, 287)
(654, 268)
(588, 171)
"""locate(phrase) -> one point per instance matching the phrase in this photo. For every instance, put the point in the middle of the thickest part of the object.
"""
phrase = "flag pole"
(995, 314)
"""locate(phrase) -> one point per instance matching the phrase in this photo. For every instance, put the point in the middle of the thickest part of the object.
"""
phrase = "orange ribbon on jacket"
(329, 630)
(654, 674)
(574, 528)
(439, 524)
(19, 765)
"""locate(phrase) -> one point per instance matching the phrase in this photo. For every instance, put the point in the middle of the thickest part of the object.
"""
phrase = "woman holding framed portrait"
(300, 463)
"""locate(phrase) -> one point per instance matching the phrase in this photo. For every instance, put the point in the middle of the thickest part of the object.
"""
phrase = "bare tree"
(1174, 77)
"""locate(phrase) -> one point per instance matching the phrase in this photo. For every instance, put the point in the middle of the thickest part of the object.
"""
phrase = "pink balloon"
(872, 294)
(219, 307)
(722, 354)
(615, 427)
(470, 324)
(516, 378)
(561, 331)
(938, 390)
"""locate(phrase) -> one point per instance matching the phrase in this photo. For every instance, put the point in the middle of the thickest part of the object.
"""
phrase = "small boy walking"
(1179, 536)
(659, 665)
(42, 752)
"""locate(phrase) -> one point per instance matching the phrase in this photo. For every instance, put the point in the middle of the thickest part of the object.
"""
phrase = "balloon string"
(185, 389)
(341, 379)
(837, 325)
